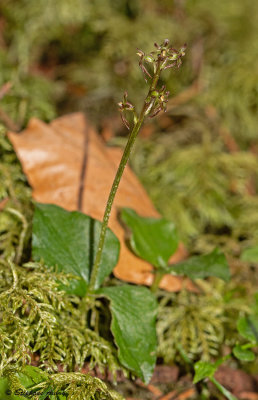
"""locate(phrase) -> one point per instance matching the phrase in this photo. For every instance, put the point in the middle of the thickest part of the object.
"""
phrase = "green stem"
(127, 151)
(156, 281)
(248, 346)
(222, 389)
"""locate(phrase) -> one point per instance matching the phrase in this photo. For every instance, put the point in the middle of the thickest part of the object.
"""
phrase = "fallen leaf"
(67, 164)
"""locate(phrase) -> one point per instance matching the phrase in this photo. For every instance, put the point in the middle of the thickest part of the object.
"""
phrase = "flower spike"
(156, 100)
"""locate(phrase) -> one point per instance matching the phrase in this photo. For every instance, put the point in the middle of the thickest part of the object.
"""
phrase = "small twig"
(3, 116)
(168, 396)
(3, 203)
(5, 89)
(175, 395)
(10, 124)
(153, 389)
(185, 395)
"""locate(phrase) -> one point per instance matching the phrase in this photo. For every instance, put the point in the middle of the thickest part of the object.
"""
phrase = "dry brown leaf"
(67, 164)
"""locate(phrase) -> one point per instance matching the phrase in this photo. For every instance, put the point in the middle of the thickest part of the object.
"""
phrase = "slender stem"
(222, 389)
(127, 151)
(156, 281)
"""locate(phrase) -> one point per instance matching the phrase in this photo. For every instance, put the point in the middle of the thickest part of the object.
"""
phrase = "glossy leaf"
(203, 370)
(248, 327)
(69, 240)
(243, 354)
(134, 310)
(250, 255)
(199, 267)
(153, 239)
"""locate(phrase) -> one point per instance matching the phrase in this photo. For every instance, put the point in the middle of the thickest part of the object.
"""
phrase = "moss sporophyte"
(162, 58)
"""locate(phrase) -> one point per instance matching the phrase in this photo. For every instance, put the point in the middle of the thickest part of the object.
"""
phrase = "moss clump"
(33, 383)
(66, 49)
(202, 187)
(195, 326)
(39, 320)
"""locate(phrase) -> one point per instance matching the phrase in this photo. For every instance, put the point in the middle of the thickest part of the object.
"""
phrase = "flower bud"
(149, 59)
(154, 93)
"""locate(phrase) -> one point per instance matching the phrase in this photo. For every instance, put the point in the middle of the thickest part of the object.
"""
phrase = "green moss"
(201, 187)
(33, 383)
(39, 319)
(196, 326)
(15, 195)
(52, 51)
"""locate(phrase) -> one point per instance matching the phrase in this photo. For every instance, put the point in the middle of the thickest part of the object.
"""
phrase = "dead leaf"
(67, 164)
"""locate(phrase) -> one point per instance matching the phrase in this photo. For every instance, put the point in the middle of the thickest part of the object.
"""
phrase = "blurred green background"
(199, 161)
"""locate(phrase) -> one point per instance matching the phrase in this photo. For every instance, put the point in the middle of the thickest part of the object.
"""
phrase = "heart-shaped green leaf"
(69, 240)
(199, 267)
(243, 354)
(203, 370)
(134, 311)
(153, 239)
